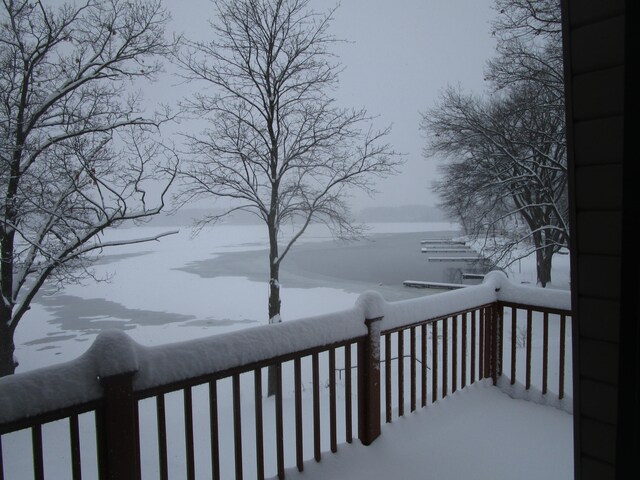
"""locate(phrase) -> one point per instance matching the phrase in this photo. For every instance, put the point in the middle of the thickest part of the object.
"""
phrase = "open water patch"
(92, 315)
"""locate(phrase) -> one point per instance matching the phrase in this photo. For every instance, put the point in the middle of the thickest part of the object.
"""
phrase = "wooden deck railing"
(451, 351)
(197, 409)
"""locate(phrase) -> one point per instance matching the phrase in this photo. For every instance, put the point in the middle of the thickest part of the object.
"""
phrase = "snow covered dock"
(431, 241)
(455, 259)
(440, 285)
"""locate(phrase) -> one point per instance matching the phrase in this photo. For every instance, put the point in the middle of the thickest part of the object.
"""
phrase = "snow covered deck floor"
(475, 434)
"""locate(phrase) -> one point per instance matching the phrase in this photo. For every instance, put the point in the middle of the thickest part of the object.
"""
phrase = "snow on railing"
(114, 352)
(496, 287)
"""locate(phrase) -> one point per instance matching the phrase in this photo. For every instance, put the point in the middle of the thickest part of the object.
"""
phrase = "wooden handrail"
(202, 379)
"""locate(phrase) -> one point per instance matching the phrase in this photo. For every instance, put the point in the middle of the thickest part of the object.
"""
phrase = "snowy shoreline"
(155, 297)
(152, 295)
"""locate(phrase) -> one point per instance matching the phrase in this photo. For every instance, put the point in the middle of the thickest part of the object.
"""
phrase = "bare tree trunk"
(544, 257)
(7, 347)
(274, 297)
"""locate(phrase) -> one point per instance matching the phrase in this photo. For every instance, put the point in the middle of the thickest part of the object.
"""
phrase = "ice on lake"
(186, 286)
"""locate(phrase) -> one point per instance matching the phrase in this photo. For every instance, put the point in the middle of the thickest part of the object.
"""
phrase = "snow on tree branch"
(78, 153)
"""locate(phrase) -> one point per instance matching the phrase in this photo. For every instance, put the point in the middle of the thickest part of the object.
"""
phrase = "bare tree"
(506, 170)
(277, 145)
(506, 175)
(76, 155)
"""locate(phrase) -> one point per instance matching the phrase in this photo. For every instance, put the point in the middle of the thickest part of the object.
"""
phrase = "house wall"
(605, 298)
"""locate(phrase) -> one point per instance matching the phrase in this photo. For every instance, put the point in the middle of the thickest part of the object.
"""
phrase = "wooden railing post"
(116, 359)
(369, 383)
(118, 429)
(492, 348)
(492, 342)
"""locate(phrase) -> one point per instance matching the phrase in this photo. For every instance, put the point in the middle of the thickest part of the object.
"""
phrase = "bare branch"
(77, 151)
(505, 175)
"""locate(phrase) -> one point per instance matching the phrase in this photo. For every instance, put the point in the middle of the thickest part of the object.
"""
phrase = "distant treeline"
(406, 213)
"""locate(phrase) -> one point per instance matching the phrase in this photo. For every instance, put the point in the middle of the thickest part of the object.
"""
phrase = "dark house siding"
(604, 269)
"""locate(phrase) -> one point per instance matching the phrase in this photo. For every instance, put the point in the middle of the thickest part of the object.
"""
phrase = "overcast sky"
(400, 54)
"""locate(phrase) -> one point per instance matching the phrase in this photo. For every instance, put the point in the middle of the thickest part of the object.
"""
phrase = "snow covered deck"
(479, 433)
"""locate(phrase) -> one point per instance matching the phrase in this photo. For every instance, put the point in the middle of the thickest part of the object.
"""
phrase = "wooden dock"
(445, 250)
(431, 241)
(454, 259)
(438, 285)
(473, 276)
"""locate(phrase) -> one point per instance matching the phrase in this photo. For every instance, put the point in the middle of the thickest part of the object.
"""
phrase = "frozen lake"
(184, 287)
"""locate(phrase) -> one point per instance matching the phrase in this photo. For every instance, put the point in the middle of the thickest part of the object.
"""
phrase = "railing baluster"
(387, 376)
(162, 437)
(101, 444)
(490, 347)
(423, 364)
(188, 433)
(529, 341)
(488, 342)
(136, 422)
(463, 379)
(494, 342)
(316, 406)
(297, 375)
(279, 423)
(481, 345)
(454, 353)
(545, 351)
(413, 367)
(486, 315)
(514, 332)
(563, 319)
(434, 362)
(213, 430)
(348, 413)
(473, 347)
(445, 356)
(333, 433)
(36, 442)
(500, 339)
(401, 373)
(1, 461)
(74, 437)
(237, 426)
(257, 393)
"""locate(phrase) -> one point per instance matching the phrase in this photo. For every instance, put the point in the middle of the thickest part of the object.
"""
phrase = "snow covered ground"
(183, 288)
